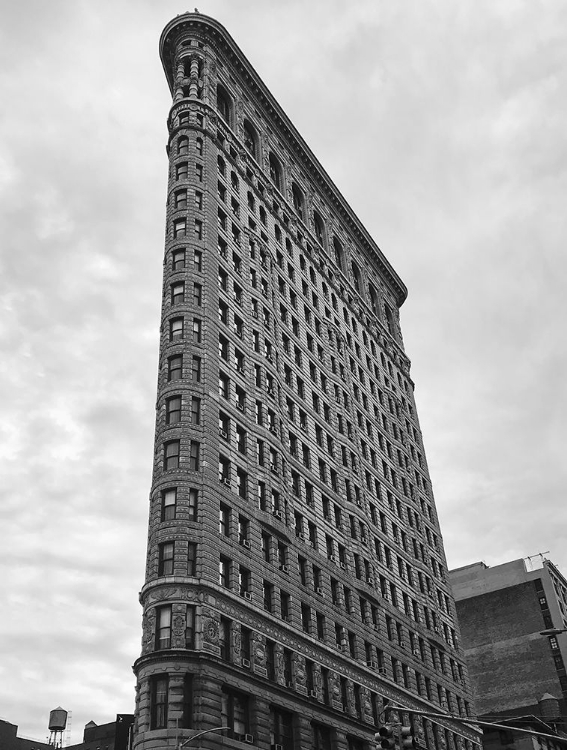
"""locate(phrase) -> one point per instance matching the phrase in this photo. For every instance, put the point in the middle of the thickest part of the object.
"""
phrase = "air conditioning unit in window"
(319, 591)
(401, 644)
(416, 652)
(312, 693)
(240, 369)
(382, 670)
(239, 406)
(225, 482)
(245, 663)
(284, 568)
(247, 595)
(276, 747)
(343, 566)
(277, 514)
(372, 664)
(370, 581)
(249, 738)
(245, 542)
(223, 433)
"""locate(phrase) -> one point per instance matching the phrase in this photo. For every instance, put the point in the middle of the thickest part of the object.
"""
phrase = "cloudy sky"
(442, 122)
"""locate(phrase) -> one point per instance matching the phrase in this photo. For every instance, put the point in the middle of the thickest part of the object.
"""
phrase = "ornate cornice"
(219, 37)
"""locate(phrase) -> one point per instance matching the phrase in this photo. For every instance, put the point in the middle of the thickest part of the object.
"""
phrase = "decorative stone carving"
(236, 640)
(211, 631)
(299, 670)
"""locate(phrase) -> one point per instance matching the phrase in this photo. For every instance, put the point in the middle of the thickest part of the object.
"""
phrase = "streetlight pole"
(200, 734)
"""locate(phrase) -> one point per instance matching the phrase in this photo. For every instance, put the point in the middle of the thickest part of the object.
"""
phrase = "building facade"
(296, 579)
(115, 735)
(9, 739)
(502, 611)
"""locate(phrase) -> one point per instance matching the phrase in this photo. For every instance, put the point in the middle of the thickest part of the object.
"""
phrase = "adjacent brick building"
(296, 576)
(115, 735)
(502, 611)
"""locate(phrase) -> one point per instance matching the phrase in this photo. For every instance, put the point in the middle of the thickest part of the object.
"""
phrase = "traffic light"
(386, 736)
(407, 740)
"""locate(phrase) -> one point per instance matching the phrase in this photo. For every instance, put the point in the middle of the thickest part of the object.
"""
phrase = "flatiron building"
(296, 582)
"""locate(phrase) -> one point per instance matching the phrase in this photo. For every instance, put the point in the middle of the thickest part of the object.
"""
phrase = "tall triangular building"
(296, 583)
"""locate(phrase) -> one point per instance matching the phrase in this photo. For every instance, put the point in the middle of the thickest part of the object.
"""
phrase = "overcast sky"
(443, 124)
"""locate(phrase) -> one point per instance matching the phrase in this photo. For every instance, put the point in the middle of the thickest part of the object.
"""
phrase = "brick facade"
(502, 611)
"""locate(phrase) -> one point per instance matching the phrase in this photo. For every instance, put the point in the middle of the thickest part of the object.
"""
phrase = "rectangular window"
(180, 227)
(168, 504)
(159, 698)
(193, 504)
(175, 367)
(224, 520)
(191, 559)
(234, 713)
(175, 329)
(166, 554)
(180, 199)
(197, 325)
(194, 455)
(198, 261)
(163, 627)
(190, 627)
(242, 483)
(195, 410)
(224, 470)
(173, 410)
(196, 369)
(281, 729)
(224, 571)
(177, 293)
(171, 452)
(181, 170)
(267, 595)
(224, 638)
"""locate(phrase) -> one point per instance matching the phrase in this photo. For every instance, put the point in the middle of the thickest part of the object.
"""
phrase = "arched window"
(183, 145)
(297, 197)
(319, 228)
(275, 171)
(224, 104)
(339, 254)
(374, 298)
(356, 277)
(250, 139)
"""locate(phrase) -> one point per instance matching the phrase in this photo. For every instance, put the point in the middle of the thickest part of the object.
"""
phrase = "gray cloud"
(442, 124)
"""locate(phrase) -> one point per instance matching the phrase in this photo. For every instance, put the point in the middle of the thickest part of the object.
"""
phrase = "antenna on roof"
(529, 559)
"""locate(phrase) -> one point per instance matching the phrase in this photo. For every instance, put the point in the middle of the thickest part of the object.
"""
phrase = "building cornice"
(220, 37)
